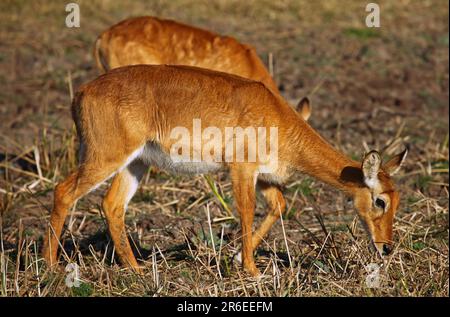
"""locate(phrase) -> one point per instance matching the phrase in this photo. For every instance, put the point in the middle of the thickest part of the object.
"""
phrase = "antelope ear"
(304, 108)
(394, 164)
(371, 166)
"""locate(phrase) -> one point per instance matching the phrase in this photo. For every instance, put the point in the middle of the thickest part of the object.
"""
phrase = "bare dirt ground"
(369, 88)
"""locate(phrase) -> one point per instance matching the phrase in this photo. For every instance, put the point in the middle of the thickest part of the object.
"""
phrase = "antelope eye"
(380, 203)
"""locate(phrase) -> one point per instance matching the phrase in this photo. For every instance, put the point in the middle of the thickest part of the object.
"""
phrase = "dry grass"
(369, 89)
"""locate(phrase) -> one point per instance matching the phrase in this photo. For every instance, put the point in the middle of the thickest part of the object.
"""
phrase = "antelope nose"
(387, 249)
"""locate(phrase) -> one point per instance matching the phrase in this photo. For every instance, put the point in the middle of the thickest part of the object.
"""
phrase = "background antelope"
(124, 121)
(150, 40)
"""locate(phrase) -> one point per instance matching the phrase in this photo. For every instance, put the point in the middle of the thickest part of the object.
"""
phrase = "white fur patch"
(132, 187)
(372, 182)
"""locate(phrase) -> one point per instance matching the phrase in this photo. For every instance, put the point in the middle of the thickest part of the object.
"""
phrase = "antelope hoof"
(253, 270)
(138, 269)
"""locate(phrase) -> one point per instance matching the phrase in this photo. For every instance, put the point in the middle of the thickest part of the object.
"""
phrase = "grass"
(368, 91)
(362, 33)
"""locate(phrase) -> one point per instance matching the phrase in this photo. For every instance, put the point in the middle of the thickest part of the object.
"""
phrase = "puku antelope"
(124, 119)
(149, 40)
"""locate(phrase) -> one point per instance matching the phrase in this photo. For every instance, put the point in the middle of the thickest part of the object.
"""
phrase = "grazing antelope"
(125, 121)
(149, 40)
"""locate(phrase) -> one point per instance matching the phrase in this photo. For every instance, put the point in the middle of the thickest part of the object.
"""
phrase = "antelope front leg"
(243, 182)
(277, 205)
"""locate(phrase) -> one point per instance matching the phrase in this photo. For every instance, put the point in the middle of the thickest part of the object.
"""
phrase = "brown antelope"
(125, 121)
(149, 40)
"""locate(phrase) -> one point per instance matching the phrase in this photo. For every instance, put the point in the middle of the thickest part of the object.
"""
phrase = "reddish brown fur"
(149, 40)
(128, 107)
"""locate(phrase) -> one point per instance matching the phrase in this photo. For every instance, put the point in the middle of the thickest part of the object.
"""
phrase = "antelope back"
(149, 40)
